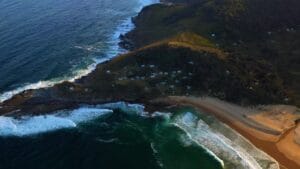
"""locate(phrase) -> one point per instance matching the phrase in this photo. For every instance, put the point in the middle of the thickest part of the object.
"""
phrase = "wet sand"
(276, 141)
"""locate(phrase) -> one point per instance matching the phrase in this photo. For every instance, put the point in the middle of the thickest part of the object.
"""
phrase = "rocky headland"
(244, 52)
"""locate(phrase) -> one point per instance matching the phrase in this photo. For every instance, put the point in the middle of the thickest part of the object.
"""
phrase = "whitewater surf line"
(223, 143)
(114, 50)
(31, 125)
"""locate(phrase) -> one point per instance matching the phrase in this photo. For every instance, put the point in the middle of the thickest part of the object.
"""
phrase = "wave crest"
(113, 51)
(30, 125)
(235, 153)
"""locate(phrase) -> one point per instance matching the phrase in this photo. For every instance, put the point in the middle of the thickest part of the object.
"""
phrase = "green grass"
(250, 31)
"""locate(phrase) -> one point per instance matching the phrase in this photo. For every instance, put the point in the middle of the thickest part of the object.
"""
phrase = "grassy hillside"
(262, 31)
(229, 20)
(186, 64)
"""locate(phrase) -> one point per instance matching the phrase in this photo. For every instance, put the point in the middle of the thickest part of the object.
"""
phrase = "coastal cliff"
(239, 51)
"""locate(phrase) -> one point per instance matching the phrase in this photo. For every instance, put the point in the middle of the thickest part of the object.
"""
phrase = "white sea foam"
(146, 3)
(30, 125)
(187, 123)
(112, 140)
(135, 109)
(132, 109)
(155, 154)
(164, 115)
(229, 152)
(113, 51)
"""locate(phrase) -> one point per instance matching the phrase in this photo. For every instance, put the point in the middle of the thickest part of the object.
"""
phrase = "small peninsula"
(237, 60)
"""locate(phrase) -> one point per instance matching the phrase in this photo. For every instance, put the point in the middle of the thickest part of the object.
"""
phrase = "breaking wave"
(228, 147)
(114, 49)
(30, 125)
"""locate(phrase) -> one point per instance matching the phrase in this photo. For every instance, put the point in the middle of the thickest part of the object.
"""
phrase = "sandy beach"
(270, 128)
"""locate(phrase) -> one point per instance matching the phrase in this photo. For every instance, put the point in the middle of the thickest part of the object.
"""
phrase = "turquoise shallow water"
(113, 141)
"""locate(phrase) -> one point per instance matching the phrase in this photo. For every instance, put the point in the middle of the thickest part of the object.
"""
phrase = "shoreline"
(126, 26)
(264, 137)
(265, 142)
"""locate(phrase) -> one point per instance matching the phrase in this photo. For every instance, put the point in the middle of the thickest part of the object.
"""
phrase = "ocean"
(105, 139)
(46, 42)
(122, 135)
(43, 43)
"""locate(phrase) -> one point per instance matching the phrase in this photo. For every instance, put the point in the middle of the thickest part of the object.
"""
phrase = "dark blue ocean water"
(48, 41)
(115, 140)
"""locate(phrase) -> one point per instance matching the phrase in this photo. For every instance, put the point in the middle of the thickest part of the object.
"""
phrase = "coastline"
(270, 144)
(126, 26)
(266, 141)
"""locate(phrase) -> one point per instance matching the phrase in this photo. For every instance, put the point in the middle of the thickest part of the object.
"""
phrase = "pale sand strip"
(275, 138)
(289, 147)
